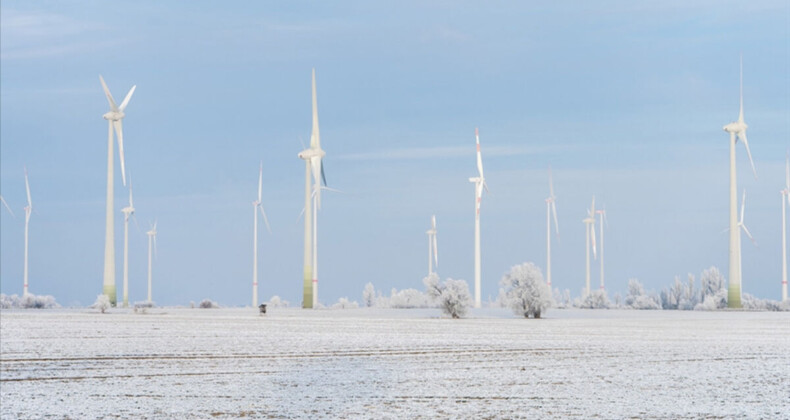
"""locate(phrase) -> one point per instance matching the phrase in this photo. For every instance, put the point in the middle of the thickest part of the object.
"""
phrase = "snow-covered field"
(394, 363)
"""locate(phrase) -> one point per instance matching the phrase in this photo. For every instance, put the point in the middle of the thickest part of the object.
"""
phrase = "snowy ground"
(374, 363)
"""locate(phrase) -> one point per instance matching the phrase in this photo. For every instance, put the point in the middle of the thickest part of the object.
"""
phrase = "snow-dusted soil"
(373, 363)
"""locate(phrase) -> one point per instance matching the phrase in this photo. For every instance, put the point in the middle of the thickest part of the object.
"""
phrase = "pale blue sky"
(625, 101)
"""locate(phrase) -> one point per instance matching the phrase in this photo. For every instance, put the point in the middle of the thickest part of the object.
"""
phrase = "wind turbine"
(480, 183)
(151, 238)
(433, 253)
(28, 211)
(602, 214)
(257, 205)
(590, 230)
(737, 130)
(312, 157)
(114, 118)
(127, 211)
(551, 209)
(785, 197)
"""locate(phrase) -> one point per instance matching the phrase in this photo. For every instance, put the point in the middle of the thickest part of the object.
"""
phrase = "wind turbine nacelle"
(474, 179)
(311, 153)
(735, 127)
(114, 116)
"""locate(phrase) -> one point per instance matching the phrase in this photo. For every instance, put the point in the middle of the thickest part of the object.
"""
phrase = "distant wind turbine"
(602, 214)
(590, 230)
(785, 199)
(551, 209)
(127, 211)
(480, 183)
(433, 253)
(114, 117)
(312, 157)
(257, 205)
(28, 211)
(736, 129)
(151, 238)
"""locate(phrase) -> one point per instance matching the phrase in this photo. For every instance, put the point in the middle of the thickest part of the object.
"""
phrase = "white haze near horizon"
(625, 102)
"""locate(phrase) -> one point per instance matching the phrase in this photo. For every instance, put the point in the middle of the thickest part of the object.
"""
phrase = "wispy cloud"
(37, 35)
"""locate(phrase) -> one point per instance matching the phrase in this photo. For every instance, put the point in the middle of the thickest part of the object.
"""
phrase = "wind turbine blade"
(265, 219)
(260, 181)
(479, 157)
(27, 188)
(332, 189)
(740, 114)
(554, 212)
(7, 206)
(551, 184)
(743, 205)
(435, 251)
(126, 99)
(433, 222)
(136, 223)
(323, 176)
(315, 137)
(301, 213)
(592, 208)
(131, 202)
(485, 185)
(156, 253)
(592, 235)
(742, 136)
(746, 231)
(118, 124)
(108, 94)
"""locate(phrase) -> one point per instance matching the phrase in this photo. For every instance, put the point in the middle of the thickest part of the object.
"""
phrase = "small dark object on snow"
(262, 307)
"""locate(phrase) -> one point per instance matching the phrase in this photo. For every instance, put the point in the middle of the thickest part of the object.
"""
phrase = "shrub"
(525, 291)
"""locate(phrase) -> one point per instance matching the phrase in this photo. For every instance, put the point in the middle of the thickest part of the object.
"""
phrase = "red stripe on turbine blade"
(478, 147)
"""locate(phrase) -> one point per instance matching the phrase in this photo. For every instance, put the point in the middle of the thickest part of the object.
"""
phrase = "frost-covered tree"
(29, 301)
(277, 302)
(369, 295)
(408, 298)
(711, 282)
(452, 296)
(618, 300)
(638, 299)
(344, 303)
(455, 299)
(525, 291)
(102, 303)
(208, 304)
(597, 299)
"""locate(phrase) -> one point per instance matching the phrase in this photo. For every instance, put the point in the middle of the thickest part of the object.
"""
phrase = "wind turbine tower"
(127, 211)
(589, 227)
(256, 206)
(433, 253)
(551, 209)
(737, 130)
(312, 157)
(114, 117)
(602, 215)
(480, 183)
(151, 238)
(28, 211)
(785, 199)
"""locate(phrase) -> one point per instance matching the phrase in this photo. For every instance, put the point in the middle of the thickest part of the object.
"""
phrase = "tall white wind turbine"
(737, 130)
(785, 199)
(127, 211)
(551, 209)
(151, 241)
(602, 214)
(589, 227)
(114, 117)
(28, 211)
(257, 205)
(433, 253)
(480, 183)
(312, 157)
